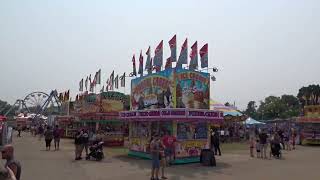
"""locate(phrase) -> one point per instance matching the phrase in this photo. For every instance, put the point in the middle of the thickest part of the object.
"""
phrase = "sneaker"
(163, 177)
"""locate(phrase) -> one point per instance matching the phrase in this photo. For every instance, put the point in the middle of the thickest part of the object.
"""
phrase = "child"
(258, 148)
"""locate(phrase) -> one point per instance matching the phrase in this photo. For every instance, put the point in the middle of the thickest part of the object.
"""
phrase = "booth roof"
(251, 121)
(227, 110)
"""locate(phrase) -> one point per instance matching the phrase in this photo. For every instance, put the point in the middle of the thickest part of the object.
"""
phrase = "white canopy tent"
(251, 121)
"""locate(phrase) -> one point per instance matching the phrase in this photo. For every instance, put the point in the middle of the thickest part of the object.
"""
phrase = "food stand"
(107, 123)
(310, 125)
(174, 102)
(68, 125)
(100, 113)
(191, 127)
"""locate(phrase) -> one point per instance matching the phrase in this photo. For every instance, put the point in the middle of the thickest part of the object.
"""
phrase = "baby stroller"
(276, 150)
(96, 151)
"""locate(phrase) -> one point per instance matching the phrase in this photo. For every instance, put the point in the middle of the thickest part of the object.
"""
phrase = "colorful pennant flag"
(91, 86)
(194, 57)
(111, 80)
(123, 80)
(148, 66)
(116, 82)
(204, 56)
(81, 85)
(94, 82)
(87, 79)
(90, 79)
(98, 79)
(173, 48)
(183, 57)
(134, 72)
(140, 71)
(158, 57)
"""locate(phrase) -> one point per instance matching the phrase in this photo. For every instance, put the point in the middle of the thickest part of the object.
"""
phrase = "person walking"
(56, 136)
(19, 130)
(216, 143)
(263, 137)
(40, 132)
(85, 141)
(11, 162)
(48, 136)
(155, 150)
(78, 145)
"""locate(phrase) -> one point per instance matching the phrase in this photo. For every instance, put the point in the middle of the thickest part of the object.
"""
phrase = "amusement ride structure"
(38, 104)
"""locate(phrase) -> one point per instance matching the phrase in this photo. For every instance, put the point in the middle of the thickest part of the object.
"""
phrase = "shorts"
(168, 152)
(48, 142)
(56, 140)
(155, 163)
(264, 146)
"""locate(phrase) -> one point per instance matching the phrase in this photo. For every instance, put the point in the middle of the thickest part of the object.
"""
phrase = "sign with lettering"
(192, 89)
(173, 113)
(153, 91)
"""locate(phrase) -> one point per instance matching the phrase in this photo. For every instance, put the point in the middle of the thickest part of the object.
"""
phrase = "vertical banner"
(192, 89)
(153, 91)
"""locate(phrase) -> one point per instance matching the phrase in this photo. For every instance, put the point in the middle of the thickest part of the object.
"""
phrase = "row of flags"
(64, 96)
(157, 62)
(112, 83)
(90, 84)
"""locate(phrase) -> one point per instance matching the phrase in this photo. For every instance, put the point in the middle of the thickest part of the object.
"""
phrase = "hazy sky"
(260, 47)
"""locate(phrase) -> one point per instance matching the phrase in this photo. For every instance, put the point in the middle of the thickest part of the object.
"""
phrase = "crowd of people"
(277, 139)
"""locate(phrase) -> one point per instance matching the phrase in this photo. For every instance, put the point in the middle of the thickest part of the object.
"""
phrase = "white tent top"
(251, 121)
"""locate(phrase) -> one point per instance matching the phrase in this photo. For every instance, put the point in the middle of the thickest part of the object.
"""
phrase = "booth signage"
(172, 113)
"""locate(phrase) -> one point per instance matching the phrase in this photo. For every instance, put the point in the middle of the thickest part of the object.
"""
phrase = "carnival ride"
(37, 105)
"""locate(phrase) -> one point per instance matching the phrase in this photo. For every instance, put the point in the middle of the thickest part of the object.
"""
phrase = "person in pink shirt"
(169, 146)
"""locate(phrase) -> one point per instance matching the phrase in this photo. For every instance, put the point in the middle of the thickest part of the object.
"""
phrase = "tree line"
(285, 106)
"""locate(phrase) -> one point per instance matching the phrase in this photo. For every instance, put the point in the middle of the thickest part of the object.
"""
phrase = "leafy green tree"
(251, 110)
(283, 107)
(4, 108)
(309, 95)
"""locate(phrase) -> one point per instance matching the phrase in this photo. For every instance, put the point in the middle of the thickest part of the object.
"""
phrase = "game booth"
(310, 125)
(68, 125)
(172, 102)
(100, 114)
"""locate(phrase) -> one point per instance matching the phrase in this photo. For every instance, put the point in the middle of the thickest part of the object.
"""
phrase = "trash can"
(207, 157)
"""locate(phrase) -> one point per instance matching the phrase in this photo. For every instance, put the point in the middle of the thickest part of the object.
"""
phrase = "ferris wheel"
(35, 101)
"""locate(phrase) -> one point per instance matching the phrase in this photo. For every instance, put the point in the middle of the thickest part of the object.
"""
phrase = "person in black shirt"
(216, 143)
(85, 141)
(78, 145)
